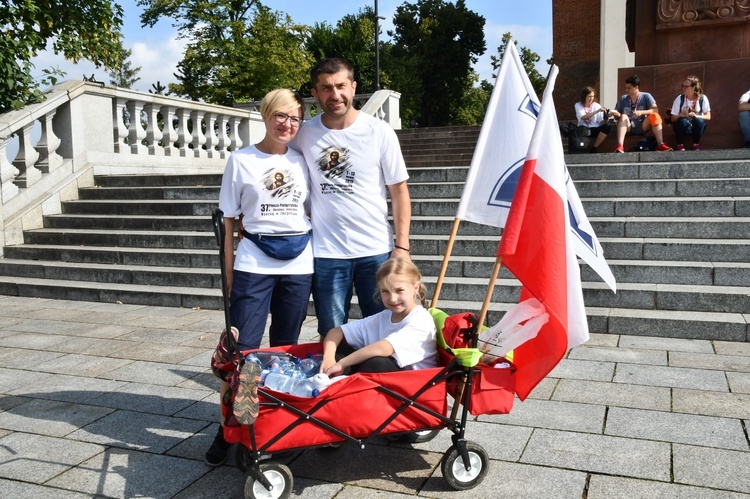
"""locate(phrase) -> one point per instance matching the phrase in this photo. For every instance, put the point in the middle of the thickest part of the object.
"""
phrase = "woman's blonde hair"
(404, 268)
(281, 99)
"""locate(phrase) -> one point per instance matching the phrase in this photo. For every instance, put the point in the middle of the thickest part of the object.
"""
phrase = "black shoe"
(593, 150)
(218, 453)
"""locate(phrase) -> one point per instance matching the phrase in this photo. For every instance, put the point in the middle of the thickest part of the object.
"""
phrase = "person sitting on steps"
(636, 113)
(690, 111)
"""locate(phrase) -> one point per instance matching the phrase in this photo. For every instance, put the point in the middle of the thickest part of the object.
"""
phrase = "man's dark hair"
(331, 65)
(633, 80)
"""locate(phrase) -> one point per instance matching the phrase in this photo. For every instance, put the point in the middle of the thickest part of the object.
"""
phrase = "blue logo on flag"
(502, 194)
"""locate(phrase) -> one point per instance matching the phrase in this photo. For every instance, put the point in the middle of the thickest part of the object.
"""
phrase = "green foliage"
(125, 75)
(353, 39)
(528, 59)
(239, 49)
(84, 29)
(435, 44)
(158, 88)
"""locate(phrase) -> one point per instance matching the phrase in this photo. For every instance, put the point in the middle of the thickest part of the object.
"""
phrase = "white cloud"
(157, 58)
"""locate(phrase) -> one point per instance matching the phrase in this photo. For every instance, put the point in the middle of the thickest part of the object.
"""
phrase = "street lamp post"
(377, 46)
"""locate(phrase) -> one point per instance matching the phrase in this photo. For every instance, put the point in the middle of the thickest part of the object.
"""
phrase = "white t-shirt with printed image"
(350, 170)
(412, 339)
(270, 191)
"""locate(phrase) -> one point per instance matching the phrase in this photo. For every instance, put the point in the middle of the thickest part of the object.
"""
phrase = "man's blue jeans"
(745, 125)
(333, 283)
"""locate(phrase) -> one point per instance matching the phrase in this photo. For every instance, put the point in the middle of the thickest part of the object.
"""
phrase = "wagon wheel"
(278, 475)
(455, 472)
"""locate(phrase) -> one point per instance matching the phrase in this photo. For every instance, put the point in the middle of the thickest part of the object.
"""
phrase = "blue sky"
(157, 50)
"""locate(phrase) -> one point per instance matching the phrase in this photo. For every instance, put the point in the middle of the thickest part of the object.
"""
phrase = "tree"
(125, 75)
(158, 89)
(353, 39)
(85, 29)
(528, 59)
(435, 44)
(239, 49)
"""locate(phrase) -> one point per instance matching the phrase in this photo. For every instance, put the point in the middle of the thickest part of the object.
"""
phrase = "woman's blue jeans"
(695, 126)
(333, 283)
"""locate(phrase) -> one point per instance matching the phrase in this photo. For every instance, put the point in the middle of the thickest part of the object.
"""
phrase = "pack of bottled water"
(286, 373)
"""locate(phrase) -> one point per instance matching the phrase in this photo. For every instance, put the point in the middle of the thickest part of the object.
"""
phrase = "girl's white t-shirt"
(270, 191)
(412, 339)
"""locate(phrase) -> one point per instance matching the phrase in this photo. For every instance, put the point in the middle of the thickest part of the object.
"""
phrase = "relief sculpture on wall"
(687, 13)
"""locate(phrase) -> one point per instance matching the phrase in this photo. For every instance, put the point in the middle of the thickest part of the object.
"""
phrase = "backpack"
(645, 144)
(578, 138)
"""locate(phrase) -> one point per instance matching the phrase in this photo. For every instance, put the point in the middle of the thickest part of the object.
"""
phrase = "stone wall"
(576, 35)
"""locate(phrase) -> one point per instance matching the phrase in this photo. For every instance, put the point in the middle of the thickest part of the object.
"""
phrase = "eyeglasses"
(294, 121)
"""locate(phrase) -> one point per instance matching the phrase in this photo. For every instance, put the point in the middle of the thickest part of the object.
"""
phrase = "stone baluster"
(211, 138)
(136, 132)
(26, 159)
(183, 132)
(223, 123)
(8, 173)
(48, 144)
(199, 139)
(235, 142)
(169, 134)
(121, 131)
(153, 132)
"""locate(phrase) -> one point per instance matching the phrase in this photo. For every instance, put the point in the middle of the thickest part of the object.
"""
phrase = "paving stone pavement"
(117, 400)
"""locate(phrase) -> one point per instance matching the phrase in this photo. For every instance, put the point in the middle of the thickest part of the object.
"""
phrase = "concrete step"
(210, 192)
(625, 271)
(656, 249)
(128, 222)
(162, 257)
(635, 170)
(661, 323)
(729, 299)
(666, 227)
(141, 207)
(122, 238)
(155, 180)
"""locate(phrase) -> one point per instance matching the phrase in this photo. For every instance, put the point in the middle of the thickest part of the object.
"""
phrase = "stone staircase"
(675, 228)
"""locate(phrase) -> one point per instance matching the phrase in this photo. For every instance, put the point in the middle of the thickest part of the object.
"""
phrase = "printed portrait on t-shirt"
(279, 182)
(333, 162)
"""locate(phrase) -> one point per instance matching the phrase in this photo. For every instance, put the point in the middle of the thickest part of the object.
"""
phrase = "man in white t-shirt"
(355, 161)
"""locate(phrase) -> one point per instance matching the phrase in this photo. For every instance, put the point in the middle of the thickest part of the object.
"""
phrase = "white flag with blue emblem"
(502, 145)
(499, 156)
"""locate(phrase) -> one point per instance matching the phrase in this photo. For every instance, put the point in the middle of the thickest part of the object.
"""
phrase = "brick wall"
(575, 42)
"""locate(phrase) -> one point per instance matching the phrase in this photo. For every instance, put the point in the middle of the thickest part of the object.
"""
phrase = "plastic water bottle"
(309, 366)
(254, 358)
(279, 382)
(304, 388)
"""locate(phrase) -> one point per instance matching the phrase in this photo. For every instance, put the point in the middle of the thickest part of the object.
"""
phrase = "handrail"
(83, 126)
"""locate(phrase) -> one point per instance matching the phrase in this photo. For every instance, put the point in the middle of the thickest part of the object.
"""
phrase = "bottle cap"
(315, 392)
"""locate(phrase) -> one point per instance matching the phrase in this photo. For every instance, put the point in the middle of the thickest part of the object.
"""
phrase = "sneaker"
(218, 453)
(619, 148)
(696, 147)
(679, 147)
(593, 150)
(245, 407)
(663, 147)
(747, 144)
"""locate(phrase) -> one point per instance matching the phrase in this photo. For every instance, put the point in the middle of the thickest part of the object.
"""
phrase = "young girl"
(400, 337)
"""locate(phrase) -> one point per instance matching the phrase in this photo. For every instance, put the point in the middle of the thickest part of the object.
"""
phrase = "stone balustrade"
(85, 128)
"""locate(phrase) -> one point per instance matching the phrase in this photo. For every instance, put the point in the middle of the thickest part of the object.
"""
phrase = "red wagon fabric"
(356, 406)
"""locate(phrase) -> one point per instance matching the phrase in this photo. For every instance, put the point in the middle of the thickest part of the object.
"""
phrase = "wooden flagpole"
(490, 289)
(444, 266)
